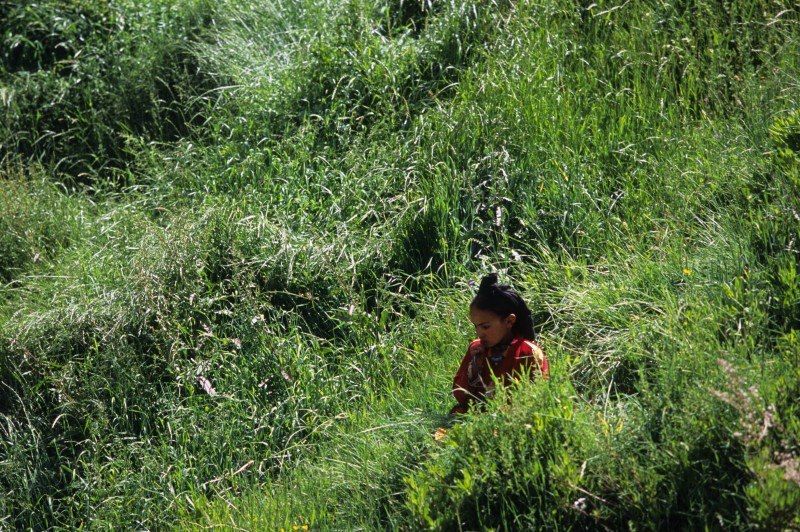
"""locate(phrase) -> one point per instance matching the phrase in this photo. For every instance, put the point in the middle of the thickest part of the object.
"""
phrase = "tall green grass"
(250, 311)
(81, 78)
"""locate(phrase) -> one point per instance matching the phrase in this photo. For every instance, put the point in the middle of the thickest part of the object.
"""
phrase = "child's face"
(491, 328)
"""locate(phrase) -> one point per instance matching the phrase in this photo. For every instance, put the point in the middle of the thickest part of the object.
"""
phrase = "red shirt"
(473, 380)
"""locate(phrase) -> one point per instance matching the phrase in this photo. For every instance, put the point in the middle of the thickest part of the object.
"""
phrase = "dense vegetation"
(236, 240)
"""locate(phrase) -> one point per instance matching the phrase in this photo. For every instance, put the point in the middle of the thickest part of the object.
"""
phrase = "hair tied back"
(504, 300)
(488, 284)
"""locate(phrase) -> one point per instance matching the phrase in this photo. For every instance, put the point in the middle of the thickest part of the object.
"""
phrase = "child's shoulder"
(474, 347)
(527, 348)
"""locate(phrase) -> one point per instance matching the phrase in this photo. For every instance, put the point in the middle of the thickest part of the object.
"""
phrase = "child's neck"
(502, 346)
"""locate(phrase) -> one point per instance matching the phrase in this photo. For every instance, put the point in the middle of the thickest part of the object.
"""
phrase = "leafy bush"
(513, 466)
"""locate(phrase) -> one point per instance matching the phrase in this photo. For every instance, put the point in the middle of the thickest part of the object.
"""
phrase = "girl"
(504, 346)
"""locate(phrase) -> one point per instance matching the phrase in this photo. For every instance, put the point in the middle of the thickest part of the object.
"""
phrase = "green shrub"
(514, 466)
(772, 432)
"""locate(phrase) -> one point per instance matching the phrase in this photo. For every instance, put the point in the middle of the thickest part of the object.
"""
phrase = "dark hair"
(504, 300)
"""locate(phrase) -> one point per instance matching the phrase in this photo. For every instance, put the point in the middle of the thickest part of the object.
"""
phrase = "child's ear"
(511, 319)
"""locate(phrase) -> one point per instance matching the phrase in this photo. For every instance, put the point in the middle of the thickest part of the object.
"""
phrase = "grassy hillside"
(236, 241)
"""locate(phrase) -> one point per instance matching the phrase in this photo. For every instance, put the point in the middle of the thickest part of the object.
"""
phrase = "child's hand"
(439, 434)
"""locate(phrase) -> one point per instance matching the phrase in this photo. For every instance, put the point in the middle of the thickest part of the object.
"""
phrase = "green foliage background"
(286, 202)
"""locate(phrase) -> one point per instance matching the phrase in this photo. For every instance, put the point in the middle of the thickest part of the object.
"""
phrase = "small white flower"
(580, 504)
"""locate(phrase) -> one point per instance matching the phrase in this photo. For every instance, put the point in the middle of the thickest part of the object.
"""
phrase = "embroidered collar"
(498, 352)
(499, 349)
